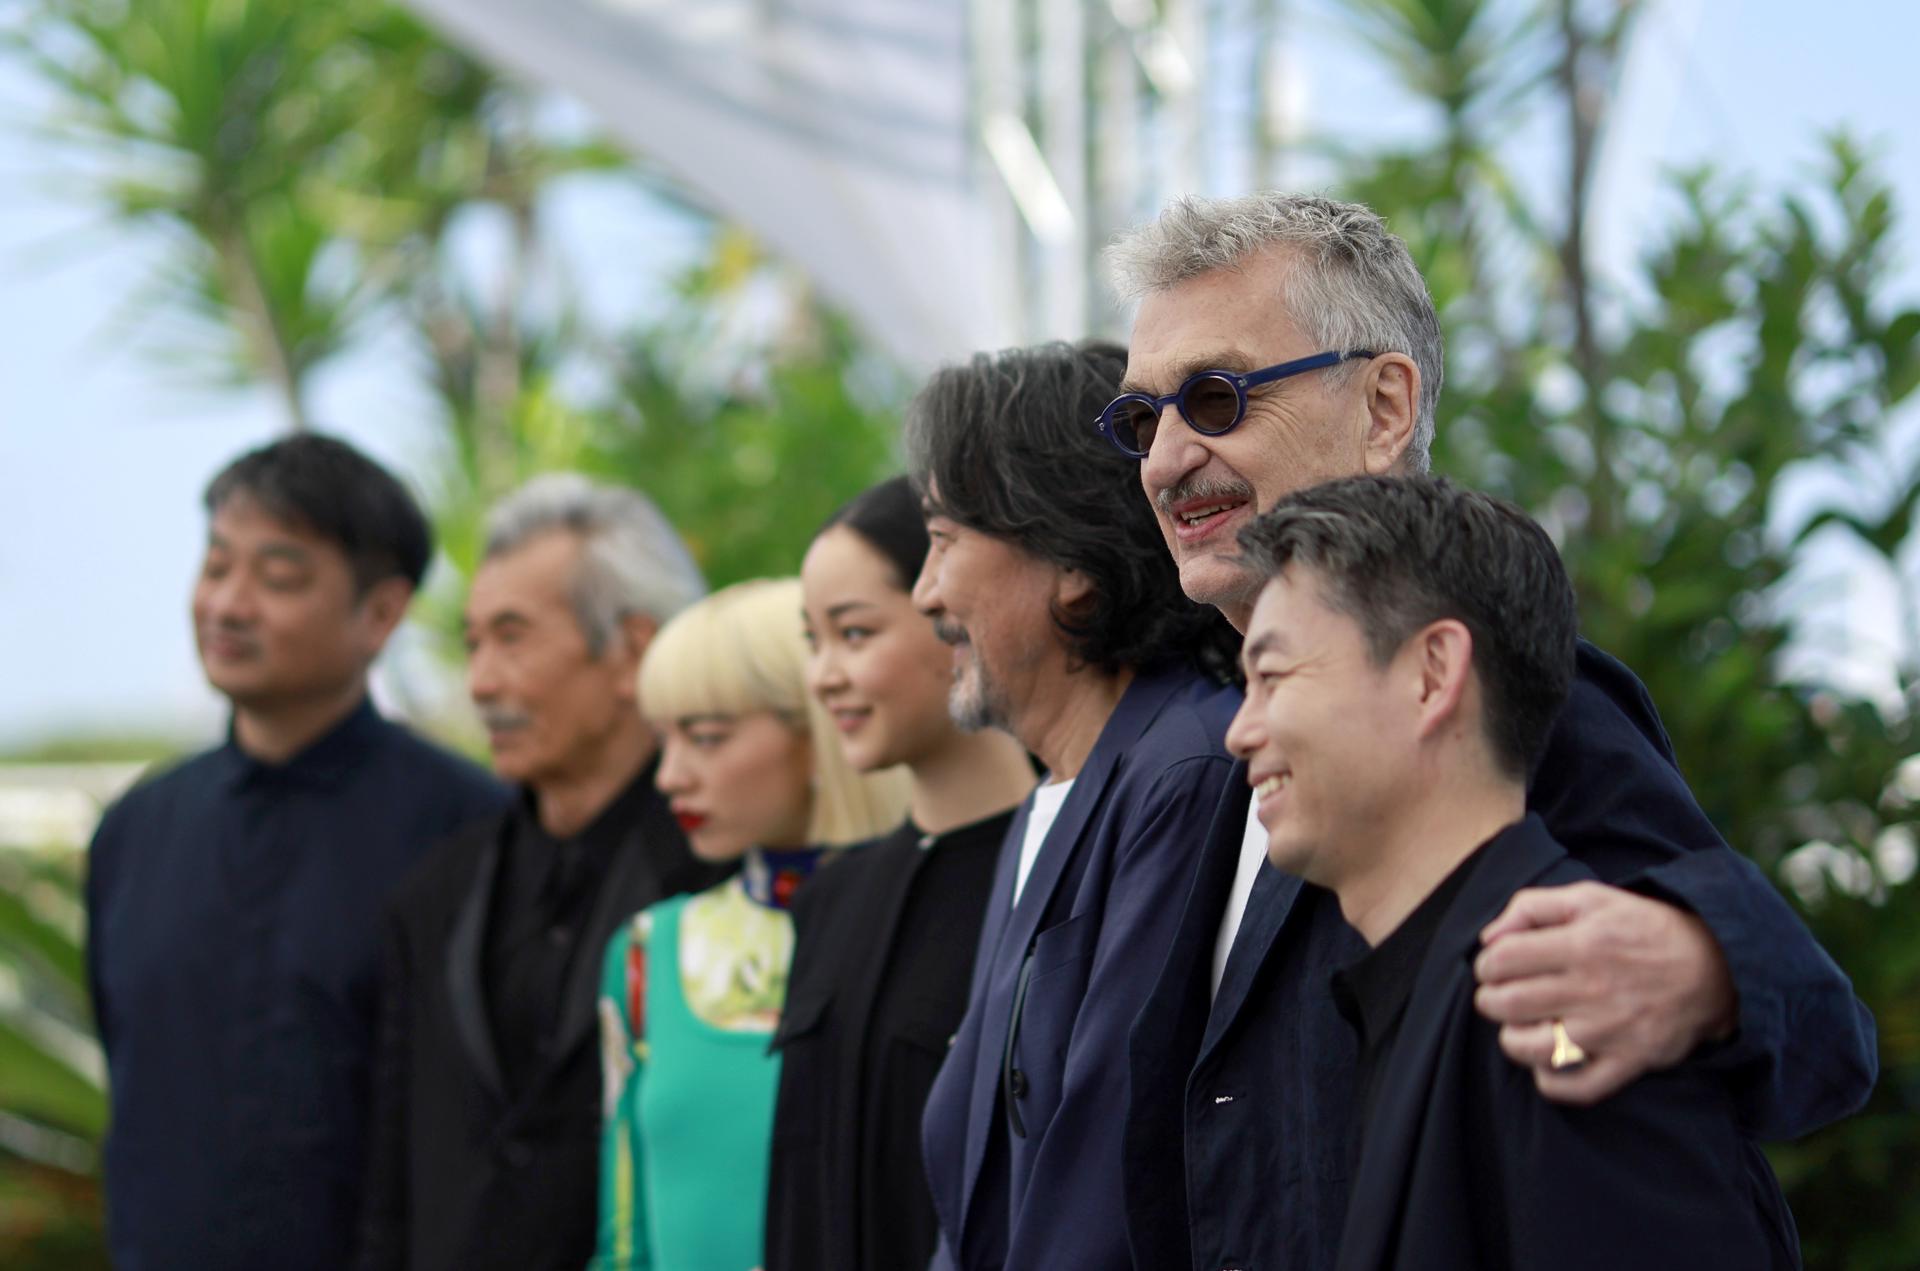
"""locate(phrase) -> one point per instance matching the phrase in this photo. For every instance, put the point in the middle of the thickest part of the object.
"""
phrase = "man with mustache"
(233, 903)
(1069, 632)
(1285, 340)
(486, 1132)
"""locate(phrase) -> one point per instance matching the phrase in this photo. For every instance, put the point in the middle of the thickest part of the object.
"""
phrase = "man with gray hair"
(1286, 340)
(486, 1132)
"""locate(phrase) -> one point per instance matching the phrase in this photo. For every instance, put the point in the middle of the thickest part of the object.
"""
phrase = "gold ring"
(1566, 1051)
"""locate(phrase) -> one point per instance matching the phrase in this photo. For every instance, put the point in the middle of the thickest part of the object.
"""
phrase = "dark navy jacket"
(1022, 1130)
(233, 949)
(1464, 1164)
(1239, 1116)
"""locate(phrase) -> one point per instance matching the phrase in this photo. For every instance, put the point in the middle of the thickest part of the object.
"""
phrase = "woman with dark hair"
(884, 939)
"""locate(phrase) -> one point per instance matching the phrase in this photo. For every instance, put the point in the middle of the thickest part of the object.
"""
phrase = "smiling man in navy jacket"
(1405, 660)
(1069, 631)
(1283, 340)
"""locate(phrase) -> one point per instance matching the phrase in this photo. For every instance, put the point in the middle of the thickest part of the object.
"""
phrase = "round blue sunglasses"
(1212, 402)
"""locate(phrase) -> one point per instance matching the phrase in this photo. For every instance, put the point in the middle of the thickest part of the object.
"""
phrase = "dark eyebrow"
(1259, 644)
(287, 552)
(1179, 372)
(834, 611)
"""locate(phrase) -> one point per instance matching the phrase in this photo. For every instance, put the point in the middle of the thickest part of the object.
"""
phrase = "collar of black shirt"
(325, 762)
(539, 862)
(1372, 992)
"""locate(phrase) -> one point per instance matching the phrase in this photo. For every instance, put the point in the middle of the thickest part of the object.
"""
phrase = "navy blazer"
(1022, 1128)
(1463, 1163)
(1240, 1109)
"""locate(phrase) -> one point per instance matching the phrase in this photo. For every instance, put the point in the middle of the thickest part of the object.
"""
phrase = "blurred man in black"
(486, 1139)
(233, 902)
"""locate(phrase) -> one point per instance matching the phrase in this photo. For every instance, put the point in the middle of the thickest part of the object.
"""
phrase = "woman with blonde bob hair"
(693, 986)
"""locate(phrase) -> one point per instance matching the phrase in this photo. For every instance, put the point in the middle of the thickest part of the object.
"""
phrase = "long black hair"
(1005, 444)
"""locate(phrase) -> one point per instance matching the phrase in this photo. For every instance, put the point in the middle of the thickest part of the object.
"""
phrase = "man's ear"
(636, 633)
(1071, 589)
(1443, 663)
(1392, 394)
(382, 606)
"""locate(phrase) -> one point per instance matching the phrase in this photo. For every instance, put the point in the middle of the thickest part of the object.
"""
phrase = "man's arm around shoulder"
(1701, 949)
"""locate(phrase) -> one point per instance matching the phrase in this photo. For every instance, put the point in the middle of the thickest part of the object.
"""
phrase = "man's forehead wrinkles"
(1172, 373)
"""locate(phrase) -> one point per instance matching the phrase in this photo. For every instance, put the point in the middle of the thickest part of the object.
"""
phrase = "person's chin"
(715, 849)
(871, 749)
(967, 701)
(510, 761)
(240, 681)
(1214, 578)
(1287, 854)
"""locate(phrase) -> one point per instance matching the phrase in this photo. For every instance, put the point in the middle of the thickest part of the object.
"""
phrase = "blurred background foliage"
(313, 166)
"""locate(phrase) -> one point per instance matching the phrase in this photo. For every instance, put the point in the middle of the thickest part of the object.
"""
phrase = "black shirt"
(545, 891)
(1466, 1165)
(884, 945)
(233, 954)
(1372, 993)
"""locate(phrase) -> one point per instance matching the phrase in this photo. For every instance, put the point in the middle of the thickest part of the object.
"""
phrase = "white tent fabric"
(836, 130)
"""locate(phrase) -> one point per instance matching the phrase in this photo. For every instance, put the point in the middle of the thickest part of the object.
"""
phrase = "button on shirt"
(233, 956)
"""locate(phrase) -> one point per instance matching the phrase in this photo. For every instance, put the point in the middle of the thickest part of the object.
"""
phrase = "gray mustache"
(1202, 488)
(949, 632)
(499, 719)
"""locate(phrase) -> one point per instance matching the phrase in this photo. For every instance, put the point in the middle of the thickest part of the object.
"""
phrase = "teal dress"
(690, 994)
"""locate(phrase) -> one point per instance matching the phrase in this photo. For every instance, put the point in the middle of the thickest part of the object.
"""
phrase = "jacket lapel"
(1010, 950)
(1138, 707)
(1268, 906)
(1517, 857)
(1184, 978)
(887, 903)
(1164, 1041)
(635, 878)
(464, 994)
(993, 927)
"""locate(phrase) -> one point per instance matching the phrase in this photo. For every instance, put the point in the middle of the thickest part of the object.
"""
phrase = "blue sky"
(103, 451)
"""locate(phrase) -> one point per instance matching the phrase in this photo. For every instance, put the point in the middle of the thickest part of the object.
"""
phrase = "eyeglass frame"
(1241, 383)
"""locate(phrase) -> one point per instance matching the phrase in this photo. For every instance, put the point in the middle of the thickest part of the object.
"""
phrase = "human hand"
(1636, 982)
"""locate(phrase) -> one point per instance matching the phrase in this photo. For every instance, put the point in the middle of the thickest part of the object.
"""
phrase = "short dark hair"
(1005, 444)
(1397, 553)
(887, 517)
(324, 486)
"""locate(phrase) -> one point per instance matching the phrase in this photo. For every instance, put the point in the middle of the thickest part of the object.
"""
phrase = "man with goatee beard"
(486, 1116)
(1047, 575)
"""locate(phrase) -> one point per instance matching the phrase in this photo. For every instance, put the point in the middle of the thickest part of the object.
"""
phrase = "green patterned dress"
(690, 994)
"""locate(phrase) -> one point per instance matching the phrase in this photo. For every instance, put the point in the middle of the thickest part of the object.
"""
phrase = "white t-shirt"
(1046, 809)
(1253, 851)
